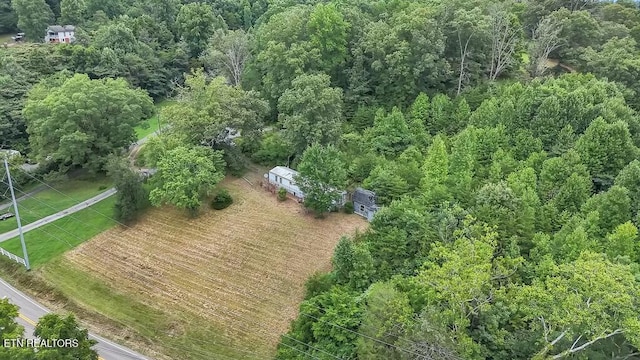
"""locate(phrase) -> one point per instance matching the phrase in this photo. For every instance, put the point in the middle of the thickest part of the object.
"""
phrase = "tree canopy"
(78, 122)
(185, 176)
(49, 327)
(322, 177)
(501, 140)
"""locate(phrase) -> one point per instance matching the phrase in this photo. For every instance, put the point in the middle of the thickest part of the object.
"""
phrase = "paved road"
(59, 215)
(30, 311)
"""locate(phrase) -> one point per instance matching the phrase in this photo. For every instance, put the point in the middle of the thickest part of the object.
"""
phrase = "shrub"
(348, 207)
(222, 200)
(235, 159)
(273, 150)
(282, 194)
(317, 284)
(102, 187)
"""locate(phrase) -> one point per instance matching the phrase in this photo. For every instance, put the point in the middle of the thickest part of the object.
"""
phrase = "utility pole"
(15, 208)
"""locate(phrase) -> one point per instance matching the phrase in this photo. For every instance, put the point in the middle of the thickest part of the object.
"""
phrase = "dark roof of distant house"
(365, 197)
(59, 28)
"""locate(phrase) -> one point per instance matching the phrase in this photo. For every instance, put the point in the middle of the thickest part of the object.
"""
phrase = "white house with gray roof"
(284, 177)
(60, 34)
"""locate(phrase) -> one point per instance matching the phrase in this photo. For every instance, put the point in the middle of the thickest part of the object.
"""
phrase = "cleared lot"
(240, 270)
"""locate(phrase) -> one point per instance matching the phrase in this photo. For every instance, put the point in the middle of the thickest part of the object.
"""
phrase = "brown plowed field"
(241, 270)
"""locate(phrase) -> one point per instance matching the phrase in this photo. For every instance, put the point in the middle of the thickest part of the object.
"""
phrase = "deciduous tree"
(311, 112)
(53, 327)
(390, 134)
(629, 177)
(605, 149)
(33, 17)
(322, 177)
(385, 181)
(505, 35)
(186, 175)
(227, 54)
(9, 329)
(209, 110)
(328, 32)
(8, 17)
(131, 197)
(72, 12)
(196, 23)
(579, 305)
(386, 316)
(81, 121)
(545, 39)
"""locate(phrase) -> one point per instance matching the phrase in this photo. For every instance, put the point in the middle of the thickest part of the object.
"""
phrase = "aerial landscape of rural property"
(319, 179)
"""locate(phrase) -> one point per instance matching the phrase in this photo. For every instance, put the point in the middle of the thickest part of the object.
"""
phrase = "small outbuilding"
(364, 203)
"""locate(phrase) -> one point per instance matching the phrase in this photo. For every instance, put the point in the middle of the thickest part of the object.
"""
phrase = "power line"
(15, 208)
(53, 223)
(359, 333)
(71, 246)
(332, 324)
(80, 239)
(184, 267)
(301, 351)
(306, 344)
(66, 195)
(30, 210)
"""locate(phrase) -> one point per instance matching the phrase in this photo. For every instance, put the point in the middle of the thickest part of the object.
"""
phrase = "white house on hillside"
(284, 177)
(60, 34)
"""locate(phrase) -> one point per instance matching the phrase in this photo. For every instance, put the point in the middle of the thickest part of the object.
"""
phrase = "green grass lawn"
(49, 201)
(51, 240)
(151, 125)
(6, 38)
(179, 336)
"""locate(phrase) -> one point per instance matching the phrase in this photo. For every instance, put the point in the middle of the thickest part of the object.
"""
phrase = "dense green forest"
(501, 137)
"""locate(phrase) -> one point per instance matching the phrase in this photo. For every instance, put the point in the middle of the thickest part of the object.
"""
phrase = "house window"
(280, 180)
(361, 208)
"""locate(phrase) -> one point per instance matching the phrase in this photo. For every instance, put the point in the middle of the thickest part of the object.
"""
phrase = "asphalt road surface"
(59, 215)
(30, 311)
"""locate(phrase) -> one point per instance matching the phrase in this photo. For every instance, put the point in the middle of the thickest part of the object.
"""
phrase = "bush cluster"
(222, 200)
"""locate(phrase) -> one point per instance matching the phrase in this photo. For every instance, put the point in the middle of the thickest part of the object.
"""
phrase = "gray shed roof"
(59, 28)
(365, 197)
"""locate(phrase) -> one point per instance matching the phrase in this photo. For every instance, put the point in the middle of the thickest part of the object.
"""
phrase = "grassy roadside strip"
(116, 316)
(175, 336)
(47, 202)
(33, 284)
(103, 308)
(6, 38)
(51, 240)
